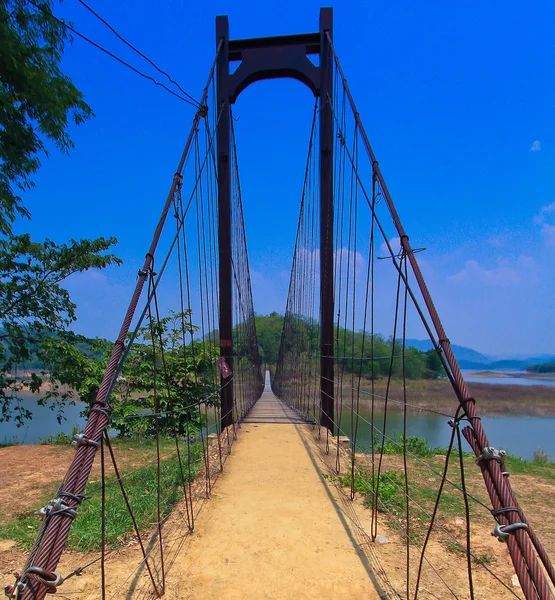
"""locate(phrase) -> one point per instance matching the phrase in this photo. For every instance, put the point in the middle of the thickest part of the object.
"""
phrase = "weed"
(541, 457)
(141, 488)
(62, 439)
(485, 559)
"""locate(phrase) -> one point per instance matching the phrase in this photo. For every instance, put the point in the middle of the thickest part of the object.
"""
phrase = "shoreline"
(437, 395)
(519, 375)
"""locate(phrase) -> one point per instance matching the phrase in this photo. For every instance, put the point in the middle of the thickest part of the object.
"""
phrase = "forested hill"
(419, 363)
(268, 332)
(545, 368)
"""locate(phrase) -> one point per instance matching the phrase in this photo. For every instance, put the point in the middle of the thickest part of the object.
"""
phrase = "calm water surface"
(517, 435)
(43, 424)
(513, 380)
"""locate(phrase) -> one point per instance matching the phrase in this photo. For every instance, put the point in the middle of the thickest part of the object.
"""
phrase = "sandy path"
(272, 528)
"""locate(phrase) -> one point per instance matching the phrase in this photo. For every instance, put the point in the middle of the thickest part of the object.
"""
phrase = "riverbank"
(533, 482)
(508, 375)
(438, 395)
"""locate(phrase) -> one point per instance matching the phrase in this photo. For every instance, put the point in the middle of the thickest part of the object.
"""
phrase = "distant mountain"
(462, 353)
(472, 359)
(519, 364)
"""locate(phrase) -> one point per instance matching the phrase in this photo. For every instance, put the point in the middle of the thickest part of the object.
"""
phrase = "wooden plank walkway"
(272, 528)
(270, 409)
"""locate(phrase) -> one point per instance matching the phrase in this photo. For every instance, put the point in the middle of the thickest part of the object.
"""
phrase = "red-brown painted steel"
(500, 483)
(57, 528)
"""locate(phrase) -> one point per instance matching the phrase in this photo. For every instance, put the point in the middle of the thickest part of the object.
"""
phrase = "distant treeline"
(546, 368)
(374, 358)
(34, 363)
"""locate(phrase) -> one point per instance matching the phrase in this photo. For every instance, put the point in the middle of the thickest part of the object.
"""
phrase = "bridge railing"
(380, 302)
(159, 398)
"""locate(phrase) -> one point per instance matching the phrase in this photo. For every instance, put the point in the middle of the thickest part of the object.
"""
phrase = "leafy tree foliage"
(37, 100)
(169, 371)
(268, 332)
(302, 340)
(34, 306)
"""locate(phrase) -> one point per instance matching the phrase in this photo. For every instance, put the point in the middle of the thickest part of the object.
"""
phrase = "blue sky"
(458, 100)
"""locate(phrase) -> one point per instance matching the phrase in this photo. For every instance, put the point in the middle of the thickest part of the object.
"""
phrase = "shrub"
(541, 457)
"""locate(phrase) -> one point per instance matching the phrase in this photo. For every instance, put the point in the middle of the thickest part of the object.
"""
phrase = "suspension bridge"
(287, 483)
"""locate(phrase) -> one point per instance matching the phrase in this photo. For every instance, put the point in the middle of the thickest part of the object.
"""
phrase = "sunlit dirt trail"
(272, 528)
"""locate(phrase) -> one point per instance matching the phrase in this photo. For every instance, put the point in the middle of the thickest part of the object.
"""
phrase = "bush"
(390, 486)
(541, 457)
(415, 445)
(62, 439)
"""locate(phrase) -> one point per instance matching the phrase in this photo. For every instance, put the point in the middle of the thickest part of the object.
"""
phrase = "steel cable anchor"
(502, 532)
(50, 579)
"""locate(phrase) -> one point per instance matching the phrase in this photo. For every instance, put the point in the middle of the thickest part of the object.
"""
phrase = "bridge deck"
(270, 409)
(272, 528)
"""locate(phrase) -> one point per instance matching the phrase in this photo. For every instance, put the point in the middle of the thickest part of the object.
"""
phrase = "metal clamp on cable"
(202, 111)
(57, 507)
(50, 579)
(80, 439)
(102, 409)
(502, 511)
(502, 532)
(15, 589)
(490, 453)
(78, 498)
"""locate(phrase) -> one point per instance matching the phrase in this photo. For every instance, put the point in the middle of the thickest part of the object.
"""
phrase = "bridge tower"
(274, 58)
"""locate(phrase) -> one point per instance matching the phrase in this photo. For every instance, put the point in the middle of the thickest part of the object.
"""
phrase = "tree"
(37, 101)
(163, 360)
(34, 305)
(268, 332)
(37, 104)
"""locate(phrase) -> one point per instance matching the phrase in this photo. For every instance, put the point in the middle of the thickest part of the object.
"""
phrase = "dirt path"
(272, 528)
(275, 527)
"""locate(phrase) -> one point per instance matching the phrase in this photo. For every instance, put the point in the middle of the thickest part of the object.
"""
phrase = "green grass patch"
(141, 487)
(538, 468)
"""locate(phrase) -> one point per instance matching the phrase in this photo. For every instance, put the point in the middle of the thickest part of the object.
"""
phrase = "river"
(518, 435)
(507, 377)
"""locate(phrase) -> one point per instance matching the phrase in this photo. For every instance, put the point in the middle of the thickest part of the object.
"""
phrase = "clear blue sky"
(458, 99)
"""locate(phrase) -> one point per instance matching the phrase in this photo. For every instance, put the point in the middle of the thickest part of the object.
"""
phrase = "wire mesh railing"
(379, 384)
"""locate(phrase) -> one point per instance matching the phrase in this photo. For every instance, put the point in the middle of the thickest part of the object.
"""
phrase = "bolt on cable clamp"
(13, 590)
(490, 453)
(57, 506)
(80, 439)
(502, 532)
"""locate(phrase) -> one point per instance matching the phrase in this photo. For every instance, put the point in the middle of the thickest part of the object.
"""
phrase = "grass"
(141, 488)
(7, 443)
(424, 484)
(61, 439)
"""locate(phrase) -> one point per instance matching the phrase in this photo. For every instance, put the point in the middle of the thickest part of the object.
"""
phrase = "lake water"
(517, 435)
(514, 378)
(43, 424)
